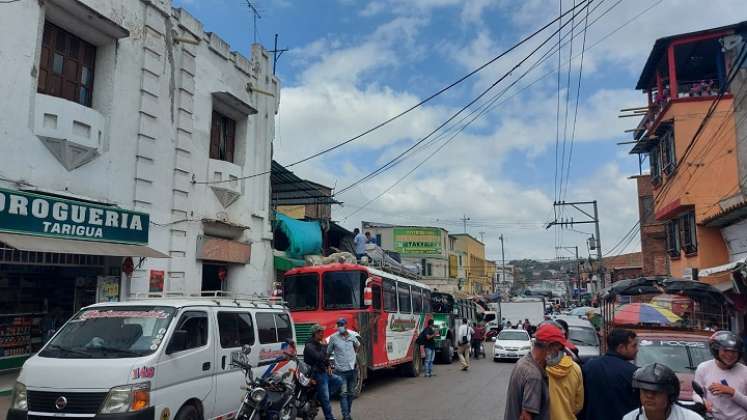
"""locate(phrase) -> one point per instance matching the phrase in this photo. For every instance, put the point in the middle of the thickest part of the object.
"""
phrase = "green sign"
(41, 215)
(414, 240)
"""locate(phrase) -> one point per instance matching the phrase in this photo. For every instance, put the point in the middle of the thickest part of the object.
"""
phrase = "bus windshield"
(343, 289)
(442, 303)
(301, 292)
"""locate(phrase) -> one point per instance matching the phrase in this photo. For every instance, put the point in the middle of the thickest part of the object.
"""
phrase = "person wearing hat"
(724, 378)
(528, 395)
(315, 355)
(565, 382)
(344, 345)
(659, 388)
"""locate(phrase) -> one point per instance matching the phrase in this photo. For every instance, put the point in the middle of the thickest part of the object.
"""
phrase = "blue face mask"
(553, 359)
(341, 329)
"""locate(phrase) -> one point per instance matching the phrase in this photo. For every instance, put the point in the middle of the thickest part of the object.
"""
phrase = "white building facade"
(124, 110)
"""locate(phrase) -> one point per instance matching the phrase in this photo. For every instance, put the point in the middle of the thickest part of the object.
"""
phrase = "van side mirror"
(178, 341)
(246, 349)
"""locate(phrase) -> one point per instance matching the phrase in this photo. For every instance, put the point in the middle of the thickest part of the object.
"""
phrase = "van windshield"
(111, 333)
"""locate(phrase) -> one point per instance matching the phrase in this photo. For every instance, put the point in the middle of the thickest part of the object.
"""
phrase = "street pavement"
(479, 393)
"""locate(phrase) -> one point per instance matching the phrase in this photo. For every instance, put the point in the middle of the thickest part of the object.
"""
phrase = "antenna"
(256, 16)
(276, 53)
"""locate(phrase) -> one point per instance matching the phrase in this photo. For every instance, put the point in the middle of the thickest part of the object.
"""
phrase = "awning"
(71, 246)
(720, 268)
(283, 263)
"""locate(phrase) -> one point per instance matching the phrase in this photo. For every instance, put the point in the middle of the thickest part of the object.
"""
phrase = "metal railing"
(212, 295)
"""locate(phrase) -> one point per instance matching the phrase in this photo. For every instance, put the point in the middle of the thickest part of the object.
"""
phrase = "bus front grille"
(303, 333)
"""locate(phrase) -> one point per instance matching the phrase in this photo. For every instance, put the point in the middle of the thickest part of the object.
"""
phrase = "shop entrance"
(211, 277)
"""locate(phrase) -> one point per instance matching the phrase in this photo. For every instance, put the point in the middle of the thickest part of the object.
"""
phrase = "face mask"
(341, 329)
(553, 359)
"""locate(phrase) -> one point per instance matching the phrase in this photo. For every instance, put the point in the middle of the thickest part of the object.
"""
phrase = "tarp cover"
(303, 238)
(664, 285)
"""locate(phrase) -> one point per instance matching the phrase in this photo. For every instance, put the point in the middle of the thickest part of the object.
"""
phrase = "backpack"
(421, 340)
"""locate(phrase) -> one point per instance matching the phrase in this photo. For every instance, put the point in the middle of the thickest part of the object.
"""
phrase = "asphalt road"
(452, 394)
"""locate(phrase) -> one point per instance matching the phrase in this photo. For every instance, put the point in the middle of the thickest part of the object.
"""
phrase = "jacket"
(608, 388)
(566, 389)
(315, 355)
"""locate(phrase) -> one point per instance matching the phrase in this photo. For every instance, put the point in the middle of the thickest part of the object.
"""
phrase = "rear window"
(682, 356)
(273, 327)
(513, 335)
(583, 336)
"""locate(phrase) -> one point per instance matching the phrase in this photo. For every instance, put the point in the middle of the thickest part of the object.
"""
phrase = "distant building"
(477, 280)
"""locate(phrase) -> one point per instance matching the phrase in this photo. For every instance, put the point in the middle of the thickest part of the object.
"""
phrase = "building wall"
(476, 268)
(154, 96)
(653, 233)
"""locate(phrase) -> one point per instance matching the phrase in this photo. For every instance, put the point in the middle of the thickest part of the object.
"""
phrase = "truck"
(534, 310)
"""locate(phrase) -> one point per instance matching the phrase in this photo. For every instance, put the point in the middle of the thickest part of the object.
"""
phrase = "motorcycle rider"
(659, 389)
(724, 378)
(327, 383)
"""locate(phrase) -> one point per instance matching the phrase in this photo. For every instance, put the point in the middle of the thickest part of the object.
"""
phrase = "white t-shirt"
(360, 243)
(465, 329)
(678, 413)
(724, 407)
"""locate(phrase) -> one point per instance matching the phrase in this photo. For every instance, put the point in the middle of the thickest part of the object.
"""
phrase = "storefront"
(58, 255)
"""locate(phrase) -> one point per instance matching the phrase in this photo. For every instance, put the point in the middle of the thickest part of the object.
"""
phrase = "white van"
(152, 359)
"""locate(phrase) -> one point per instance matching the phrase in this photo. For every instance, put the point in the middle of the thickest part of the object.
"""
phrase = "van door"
(273, 329)
(235, 329)
(187, 366)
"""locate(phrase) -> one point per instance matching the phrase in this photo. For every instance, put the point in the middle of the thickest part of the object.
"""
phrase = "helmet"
(726, 340)
(657, 377)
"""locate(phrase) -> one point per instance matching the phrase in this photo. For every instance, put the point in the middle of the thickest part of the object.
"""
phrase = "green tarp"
(298, 238)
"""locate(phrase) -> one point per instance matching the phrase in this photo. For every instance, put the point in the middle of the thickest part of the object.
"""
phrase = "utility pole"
(578, 265)
(276, 53)
(465, 219)
(503, 260)
(591, 217)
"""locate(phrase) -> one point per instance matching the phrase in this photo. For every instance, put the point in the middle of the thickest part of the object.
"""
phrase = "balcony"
(225, 181)
(72, 132)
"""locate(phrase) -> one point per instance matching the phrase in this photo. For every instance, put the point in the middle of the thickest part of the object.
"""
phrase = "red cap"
(549, 333)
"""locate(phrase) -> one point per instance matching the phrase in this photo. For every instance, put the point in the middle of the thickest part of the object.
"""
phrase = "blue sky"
(352, 64)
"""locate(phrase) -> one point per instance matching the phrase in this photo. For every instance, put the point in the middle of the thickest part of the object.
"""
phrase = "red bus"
(386, 310)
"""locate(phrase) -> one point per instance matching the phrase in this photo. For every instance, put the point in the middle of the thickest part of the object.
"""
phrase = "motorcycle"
(266, 398)
(304, 391)
(700, 408)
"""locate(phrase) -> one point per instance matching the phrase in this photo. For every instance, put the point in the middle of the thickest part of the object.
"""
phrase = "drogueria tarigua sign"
(34, 214)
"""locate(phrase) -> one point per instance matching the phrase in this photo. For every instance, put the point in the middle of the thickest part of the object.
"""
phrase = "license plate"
(512, 355)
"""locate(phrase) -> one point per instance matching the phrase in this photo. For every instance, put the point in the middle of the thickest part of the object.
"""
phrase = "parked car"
(154, 358)
(511, 344)
(583, 335)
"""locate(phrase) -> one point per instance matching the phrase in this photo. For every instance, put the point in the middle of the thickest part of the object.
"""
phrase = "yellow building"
(475, 266)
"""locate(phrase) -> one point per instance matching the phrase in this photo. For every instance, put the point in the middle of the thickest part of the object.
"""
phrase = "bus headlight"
(19, 400)
(127, 398)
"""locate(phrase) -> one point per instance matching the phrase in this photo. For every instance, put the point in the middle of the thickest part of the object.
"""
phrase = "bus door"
(384, 351)
(376, 340)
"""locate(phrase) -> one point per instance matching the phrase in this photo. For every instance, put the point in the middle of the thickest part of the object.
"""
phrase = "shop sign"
(34, 214)
(417, 240)
(156, 280)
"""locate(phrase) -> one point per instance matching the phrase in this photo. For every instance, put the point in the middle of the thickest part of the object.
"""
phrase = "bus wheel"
(446, 355)
(359, 371)
(413, 368)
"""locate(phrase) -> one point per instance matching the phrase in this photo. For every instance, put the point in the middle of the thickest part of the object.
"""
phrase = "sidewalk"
(7, 381)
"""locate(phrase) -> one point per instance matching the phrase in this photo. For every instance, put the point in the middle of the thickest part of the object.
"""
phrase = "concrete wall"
(154, 94)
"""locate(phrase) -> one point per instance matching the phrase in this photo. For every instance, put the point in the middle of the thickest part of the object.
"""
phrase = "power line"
(397, 158)
(406, 111)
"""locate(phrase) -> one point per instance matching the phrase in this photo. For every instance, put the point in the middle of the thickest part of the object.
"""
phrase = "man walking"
(528, 396)
(608, 379)
(477, 339)
(360, 243)
(344, 346)
(427, 337)
(315, 355)
(464, 335)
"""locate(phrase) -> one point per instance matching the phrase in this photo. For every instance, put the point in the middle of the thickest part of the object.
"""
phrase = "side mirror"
(246, 349)
(178, 341)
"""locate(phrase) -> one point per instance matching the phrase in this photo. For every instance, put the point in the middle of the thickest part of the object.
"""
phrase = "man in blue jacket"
(608, 379)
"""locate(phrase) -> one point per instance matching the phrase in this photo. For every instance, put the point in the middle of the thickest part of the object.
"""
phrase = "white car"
(511, 344)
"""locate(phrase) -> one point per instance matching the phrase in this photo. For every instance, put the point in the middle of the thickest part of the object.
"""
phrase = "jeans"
(430, 354)
(476, 345)
(349, 379)
(326, 384)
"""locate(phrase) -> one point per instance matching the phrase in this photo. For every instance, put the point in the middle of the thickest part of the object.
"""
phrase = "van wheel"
(446, 353)
(413, 368)
(188, 412)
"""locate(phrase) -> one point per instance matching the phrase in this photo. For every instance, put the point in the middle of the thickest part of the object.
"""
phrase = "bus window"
(343, 289)
(301, 292)
(417, 300)
(376, 297)
(427, 307)
(403, 291)
(390, 295)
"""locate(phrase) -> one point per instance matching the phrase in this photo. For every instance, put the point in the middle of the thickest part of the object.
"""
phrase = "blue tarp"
(304, 238)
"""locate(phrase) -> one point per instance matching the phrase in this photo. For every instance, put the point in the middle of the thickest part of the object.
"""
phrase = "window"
(235, 329)
(266, 327)
(417, 300)
(390, 296)
(427, 301)
(343, 289)
(376, 297)
(301, 292)
(673, 238)
(66, 66)
(403, 292)
(689, 237)
(423, 267)
(222, 137)
(283, 324)
(378, 239)
(429, 269)
(655, 161)
(195, 327)
(668, 157)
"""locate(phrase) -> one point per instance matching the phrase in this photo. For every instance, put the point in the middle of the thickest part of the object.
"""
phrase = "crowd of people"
(549, 383)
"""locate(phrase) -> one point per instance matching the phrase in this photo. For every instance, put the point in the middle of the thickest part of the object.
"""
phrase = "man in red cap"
(528, 395)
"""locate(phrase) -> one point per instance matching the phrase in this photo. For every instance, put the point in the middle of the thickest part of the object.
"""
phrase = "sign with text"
(415, 240)
(41, 215)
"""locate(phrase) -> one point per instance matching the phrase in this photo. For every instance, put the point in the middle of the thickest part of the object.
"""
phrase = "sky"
(353, 64)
